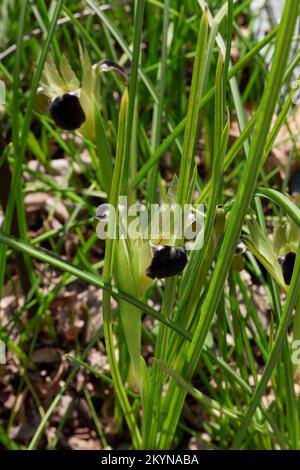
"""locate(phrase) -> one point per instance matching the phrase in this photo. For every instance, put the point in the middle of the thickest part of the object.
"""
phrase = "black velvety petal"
(166, 262)
(67, 112)
(287, 266)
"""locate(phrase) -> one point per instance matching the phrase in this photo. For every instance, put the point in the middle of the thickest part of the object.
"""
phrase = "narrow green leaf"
(49, 258)
(282, 201)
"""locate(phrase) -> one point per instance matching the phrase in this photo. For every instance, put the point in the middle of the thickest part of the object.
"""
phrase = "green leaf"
(130, 318)
(282, 201)
(123, 273)
(87, 93)
(192, 119)
(145, 399)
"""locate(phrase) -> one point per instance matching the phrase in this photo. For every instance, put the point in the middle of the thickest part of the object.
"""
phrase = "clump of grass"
(203, 296)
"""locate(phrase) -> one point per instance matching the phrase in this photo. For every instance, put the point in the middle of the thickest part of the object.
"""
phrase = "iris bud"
(167, 261)
(67, 112)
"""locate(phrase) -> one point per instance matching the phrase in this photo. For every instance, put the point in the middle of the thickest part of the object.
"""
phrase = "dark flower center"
(287, 266)
(67, 112)
(166, 262)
